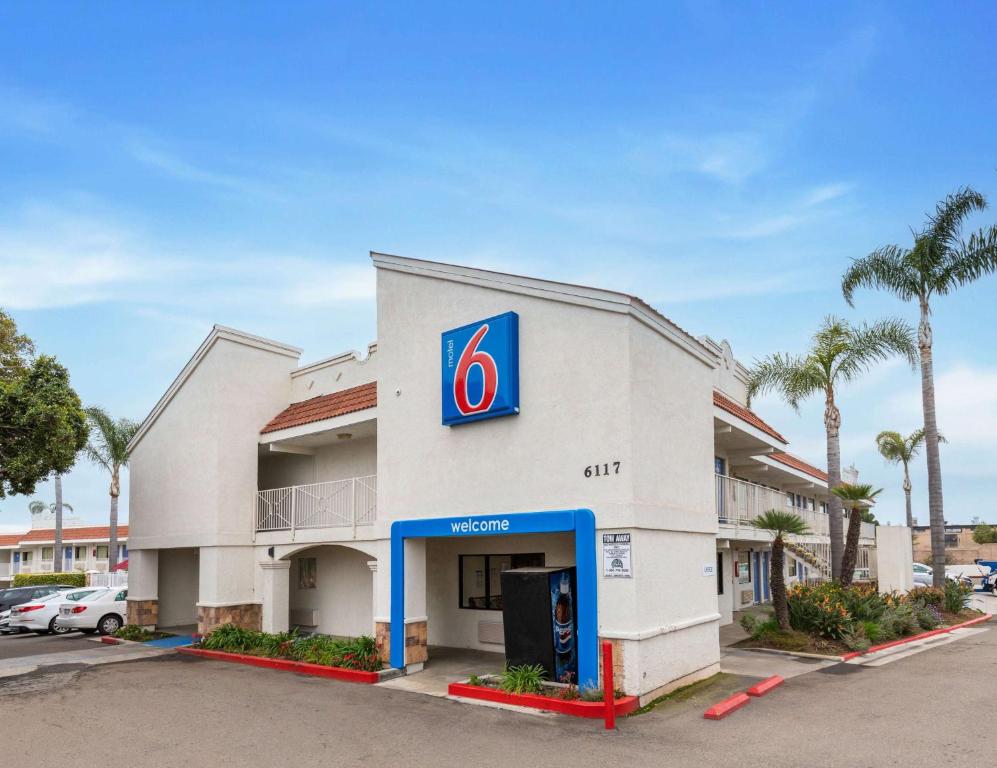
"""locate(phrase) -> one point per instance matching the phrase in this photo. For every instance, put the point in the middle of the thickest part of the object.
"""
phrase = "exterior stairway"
(811, 556)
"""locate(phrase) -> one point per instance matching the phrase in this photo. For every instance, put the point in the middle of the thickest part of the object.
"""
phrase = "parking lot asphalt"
(917, 711)
(30, 644)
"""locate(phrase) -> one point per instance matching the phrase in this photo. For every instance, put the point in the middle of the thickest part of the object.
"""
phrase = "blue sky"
(164, 168)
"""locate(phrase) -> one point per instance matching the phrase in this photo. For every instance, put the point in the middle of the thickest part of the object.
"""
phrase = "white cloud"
(727, 157)
(176, 167)
(825, 193)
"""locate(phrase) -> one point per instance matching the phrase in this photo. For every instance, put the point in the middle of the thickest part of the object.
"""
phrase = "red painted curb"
(110, 640)
(767, 685)
(721, 709)
(286, 665)
(575, 708)
(912, 638)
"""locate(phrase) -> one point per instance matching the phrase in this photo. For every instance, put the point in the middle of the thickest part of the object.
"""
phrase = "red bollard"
(608, 694)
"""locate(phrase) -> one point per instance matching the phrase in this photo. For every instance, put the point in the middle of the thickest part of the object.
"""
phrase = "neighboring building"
(85, 548)
(960, 549)
(335, 497)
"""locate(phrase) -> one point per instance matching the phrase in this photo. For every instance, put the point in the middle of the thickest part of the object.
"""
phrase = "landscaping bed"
(352, 659)
(525, 687)
(136, 634)
(835, 621)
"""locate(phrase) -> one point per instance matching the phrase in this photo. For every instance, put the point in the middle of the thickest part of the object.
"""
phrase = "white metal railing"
(111, 579)
(332, 504)
(739, 502)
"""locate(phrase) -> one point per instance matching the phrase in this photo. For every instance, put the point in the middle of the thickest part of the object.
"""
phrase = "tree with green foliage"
(984, 534)
(780, 524)
(42, 423)
(839, 354)
(857, 497)
(938, 262)
(898, 449)
(108, 447)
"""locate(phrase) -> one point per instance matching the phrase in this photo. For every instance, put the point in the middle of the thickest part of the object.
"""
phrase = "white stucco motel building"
(383, 492)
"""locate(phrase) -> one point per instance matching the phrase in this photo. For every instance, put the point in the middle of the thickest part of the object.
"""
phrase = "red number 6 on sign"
(470, 357)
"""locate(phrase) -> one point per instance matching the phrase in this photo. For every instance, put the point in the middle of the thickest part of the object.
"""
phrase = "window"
(48, 553)
(25, 557)
(481, 577)
(102, 551)
(122, 551)
(720, 573)
(719, 465)
(79, 553)
(122, 595)
(307, 573)
(951, 540)
(789, 500)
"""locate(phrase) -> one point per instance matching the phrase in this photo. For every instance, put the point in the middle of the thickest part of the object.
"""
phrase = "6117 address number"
(602, 470)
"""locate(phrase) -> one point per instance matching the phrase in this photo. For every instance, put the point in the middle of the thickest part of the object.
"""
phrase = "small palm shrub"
(528, 678)
(956, 596)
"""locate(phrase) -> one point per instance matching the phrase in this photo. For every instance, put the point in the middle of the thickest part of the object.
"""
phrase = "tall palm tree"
(839, 353)
(897, 449)
(937, 263)
(37, 507)
(781, 524)
(108, 446)
(856, 497)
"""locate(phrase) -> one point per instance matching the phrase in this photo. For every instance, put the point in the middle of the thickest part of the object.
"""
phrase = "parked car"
(40, 615)
(17, 595)
(103, 611)
(923, 575)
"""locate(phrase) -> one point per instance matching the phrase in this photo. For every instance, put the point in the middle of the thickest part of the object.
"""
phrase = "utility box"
(540, 616)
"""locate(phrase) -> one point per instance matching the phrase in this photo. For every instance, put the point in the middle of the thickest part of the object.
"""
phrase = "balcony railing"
(334, 504)
(739, 502)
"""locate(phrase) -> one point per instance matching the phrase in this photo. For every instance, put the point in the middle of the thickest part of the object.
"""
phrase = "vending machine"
(539, 613)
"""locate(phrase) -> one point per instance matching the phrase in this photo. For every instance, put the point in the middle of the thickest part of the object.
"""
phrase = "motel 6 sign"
(481, 370)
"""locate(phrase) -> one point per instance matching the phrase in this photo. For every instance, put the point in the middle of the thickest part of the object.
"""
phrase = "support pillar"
(143, 588)
(276, 596)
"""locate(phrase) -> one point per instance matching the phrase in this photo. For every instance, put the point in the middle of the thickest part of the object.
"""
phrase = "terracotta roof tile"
(791, 461)
(83, 533)
(324, 407)
(10, 539)
(736, 409)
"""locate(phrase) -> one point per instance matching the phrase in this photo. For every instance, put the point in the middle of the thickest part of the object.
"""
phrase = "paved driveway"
(919, 710)
(30, 644)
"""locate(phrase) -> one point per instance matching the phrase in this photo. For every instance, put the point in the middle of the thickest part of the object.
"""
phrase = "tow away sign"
(616, 556)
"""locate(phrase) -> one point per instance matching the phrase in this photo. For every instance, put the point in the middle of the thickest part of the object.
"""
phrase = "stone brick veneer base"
(416, 642)
(246, 615)
(145, 613)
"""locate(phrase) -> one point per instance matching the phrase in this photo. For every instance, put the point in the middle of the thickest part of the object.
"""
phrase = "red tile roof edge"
(323, 407)
(744, 414)
(796, 463)
(81, 533)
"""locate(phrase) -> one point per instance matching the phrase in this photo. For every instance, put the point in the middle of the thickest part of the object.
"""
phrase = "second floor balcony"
(739, 502)
(333, 504)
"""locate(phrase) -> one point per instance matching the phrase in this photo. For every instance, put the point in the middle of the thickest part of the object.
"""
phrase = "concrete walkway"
(99, 654)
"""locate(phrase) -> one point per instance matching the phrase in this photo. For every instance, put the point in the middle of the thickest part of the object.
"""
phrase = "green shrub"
(358, 653)
(748, 622)
(956, 596)
(133, 632)
(38, 579)
(527, 678)
(924, 596)
(928, 617)
(819, 610)
(862, 602)
(474, 680)
(899, 621)
(856, 639)
(873, 630)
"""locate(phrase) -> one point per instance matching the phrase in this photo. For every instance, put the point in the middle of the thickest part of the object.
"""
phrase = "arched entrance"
(331, 590)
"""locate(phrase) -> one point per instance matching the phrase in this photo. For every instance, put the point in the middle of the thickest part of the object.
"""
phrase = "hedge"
(77, 579)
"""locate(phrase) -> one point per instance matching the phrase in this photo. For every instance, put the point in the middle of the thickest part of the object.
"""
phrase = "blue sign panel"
(481, 369)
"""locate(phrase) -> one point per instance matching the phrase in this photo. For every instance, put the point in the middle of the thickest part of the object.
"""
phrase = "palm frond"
(969, 261)
(868, 344)
(888, 268)
(793, 377)
(109, 439)
(781, 523)
(945, 224)
(892, 446)
(855, 493)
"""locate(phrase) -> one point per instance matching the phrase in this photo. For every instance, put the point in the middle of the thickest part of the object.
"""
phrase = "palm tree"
(780, 524)
(897, 449)
(37, 507)
(938, 262)
(840, 353)
(856, 497)
(108, 446)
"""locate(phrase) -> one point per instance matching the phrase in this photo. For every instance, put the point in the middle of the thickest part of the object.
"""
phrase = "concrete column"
(276, 600)
(372, 564)
(143, 574)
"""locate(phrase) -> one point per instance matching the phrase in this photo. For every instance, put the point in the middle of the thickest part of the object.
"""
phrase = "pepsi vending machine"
(539, 614)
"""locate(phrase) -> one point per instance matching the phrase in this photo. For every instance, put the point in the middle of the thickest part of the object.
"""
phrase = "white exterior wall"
(339, 461)
(894, 559)
(193, 473)
(350, 369)
(344, 593)
(178, 579)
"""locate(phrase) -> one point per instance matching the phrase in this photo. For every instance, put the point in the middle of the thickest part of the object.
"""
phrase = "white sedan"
(103, 611)
(40, 615)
